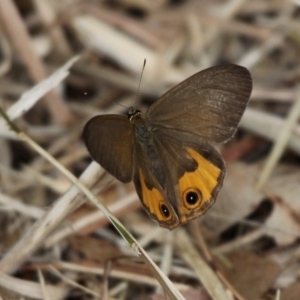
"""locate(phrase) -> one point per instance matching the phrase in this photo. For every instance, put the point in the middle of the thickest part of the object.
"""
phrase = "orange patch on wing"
(202, 181)
(154, 200)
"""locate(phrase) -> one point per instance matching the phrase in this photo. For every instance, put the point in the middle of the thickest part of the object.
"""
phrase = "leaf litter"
(248, 243)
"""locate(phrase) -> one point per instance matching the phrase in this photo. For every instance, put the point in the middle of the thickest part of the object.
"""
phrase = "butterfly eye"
(165, 211)
(192, 197)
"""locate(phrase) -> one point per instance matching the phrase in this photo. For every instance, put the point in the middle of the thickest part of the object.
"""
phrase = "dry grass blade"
(103, 35)
(73, 283)
(116, 274)
(281, 142)
(32, 96)
(5, 49)
(48, 15)
(50, 220)
(268, 125)
(126, 204)
(31, 289)
(42, 282)
(169, 288)
(205, 274)
(249, 238)
(10, 203)
(16, 27)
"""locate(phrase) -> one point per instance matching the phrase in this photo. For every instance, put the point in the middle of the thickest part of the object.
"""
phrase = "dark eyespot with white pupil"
(165, 211)
(192, 197)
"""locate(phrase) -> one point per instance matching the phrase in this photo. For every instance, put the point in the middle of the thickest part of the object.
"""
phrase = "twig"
(19, 35)
(268, 125)
(281, 142)
(205, 274)
(31, 289)
(167, 285)
(48, 17)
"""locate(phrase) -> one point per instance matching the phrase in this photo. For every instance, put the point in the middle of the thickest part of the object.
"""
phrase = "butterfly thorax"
(143, 130)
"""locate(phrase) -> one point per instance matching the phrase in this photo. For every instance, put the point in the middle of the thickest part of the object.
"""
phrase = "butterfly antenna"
(120, 104)
(138, 90)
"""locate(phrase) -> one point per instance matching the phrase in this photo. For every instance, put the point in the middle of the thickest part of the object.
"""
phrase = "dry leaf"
(95, 249)
(292, 292)
(250, 274)
(238, 199)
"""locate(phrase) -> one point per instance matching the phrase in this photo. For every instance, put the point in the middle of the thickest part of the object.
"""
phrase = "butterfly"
(170, 151)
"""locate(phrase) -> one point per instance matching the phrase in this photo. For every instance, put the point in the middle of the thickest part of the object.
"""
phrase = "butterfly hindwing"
(149, 186)
(194, 175)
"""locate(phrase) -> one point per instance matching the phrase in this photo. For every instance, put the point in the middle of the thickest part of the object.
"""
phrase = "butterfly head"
(133, 113)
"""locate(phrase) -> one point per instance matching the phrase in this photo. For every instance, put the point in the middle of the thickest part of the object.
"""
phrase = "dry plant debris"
(57, 245)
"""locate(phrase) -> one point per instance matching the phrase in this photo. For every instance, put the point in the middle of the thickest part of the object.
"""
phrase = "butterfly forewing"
(209, 104)
(109, 139)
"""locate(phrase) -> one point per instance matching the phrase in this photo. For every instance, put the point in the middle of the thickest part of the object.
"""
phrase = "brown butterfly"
(169, 152)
